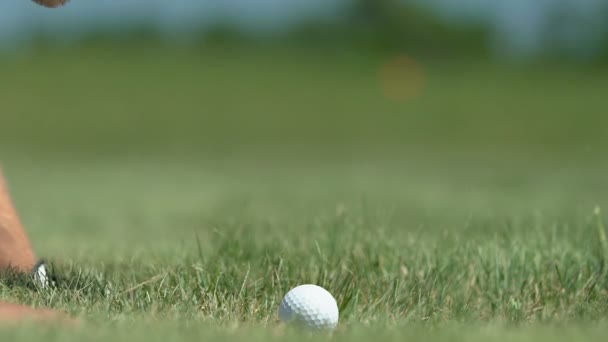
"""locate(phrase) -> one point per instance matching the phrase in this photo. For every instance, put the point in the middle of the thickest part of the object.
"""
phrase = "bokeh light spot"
(402, 78)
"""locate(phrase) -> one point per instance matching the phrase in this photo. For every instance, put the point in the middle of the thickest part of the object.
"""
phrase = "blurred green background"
(387, 100)
(365, 76)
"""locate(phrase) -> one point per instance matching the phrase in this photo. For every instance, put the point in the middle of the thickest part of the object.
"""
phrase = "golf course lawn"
(179, 194)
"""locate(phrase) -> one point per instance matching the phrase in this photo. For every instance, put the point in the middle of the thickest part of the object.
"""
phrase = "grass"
(180, 194)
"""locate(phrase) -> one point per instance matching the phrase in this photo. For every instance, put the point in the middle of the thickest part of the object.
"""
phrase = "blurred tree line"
(401, 25)
(385, 26)
(393, 25)
(390, 26)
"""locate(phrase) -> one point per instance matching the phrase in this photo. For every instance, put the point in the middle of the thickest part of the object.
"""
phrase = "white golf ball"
(310, 306)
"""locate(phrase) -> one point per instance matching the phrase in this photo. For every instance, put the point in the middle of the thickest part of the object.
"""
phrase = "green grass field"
(180, 193)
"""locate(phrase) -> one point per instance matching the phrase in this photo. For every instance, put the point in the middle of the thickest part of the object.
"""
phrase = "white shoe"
(41, 275)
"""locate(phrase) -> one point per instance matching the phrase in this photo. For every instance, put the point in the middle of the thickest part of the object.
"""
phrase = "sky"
(518, 25)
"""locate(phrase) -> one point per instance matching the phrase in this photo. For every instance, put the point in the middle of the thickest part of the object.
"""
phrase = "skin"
(16, 313)
(16, 250)
(51, 3)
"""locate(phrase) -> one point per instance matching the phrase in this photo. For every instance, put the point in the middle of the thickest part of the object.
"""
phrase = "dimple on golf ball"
(310, 306)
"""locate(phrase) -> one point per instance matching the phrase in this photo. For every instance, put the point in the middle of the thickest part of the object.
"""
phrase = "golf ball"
(310, 306)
